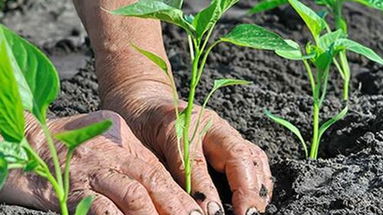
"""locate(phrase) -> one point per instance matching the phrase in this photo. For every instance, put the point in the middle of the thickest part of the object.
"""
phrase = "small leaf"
(74, 138)
(3, 170)
(313, 21)
(31, 165)
(267, 5)
(180, 124)
(377, 4)
(205, 19)
(228, 82)
(330, 38)
(331, 121)
(294, 54)
(11, 108)
(254, 36)
(154, 58)
(84, 206)
(289, 126)
(156, 9)
(35, 74)
(13, 152)
(358, 48)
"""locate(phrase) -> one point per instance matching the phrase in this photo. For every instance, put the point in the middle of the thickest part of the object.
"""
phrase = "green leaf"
(254, 36)
(294, 54)
(228, 82)
(206, 19)
(267, 5)
(358, 48)
(11, 108)
(13, 152)
(180, 125)
(174, 3)
(74, 138)
(156, 9)
(377, 4)
(331, 121)
(84, 206)
(313, 21)
(289, 126)
(330, 38)
(3, 170)
(36, 76)
(155, 59)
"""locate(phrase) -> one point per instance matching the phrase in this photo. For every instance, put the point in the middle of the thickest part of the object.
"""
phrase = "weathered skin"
(117, 167)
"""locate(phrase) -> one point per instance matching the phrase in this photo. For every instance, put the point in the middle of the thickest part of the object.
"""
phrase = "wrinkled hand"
(115, 168)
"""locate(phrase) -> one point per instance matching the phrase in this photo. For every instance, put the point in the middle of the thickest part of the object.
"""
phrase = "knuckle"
(135, 191)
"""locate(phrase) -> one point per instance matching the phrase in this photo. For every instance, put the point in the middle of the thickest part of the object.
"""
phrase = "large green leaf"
(358, 48)
(156, 9)
(74, 138)
(3, 170)
(294, 54)
(377, 4)
(11, 108)
(254, 36)
(13, 152)
(267, 5)
(84, 206)
(331, 121)
(313, 21)
(289, 126)
(36, 76)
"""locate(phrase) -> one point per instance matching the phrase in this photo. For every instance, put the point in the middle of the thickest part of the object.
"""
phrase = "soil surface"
(348, 179)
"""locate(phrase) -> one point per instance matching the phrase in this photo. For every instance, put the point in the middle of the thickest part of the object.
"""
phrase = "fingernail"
(213, 208)
(195, 213)
(252, 211)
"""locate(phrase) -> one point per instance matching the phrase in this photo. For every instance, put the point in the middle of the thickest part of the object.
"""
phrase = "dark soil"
(348, 179)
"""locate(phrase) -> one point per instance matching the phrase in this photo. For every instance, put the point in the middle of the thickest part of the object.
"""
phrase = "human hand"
(121, 174)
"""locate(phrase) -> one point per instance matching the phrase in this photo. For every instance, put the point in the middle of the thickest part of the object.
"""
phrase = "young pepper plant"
(319, 54)
(199, 28)
(29, 83)
(335, 8)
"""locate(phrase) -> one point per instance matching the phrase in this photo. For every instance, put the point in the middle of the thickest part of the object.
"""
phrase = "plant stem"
(188, 115)
(66, 173)
(54, 155)
(315, 140)
(346, 72)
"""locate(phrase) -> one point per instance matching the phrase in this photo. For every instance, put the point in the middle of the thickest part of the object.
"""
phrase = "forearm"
(129, 83)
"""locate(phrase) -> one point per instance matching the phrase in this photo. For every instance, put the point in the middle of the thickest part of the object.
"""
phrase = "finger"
(245, 165)
(128, 194)
(101, 205)
(167, 195)
(202, 186)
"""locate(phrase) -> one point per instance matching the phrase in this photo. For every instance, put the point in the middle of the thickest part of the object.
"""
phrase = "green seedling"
(28, 84)
(333, 7)
(199, 28)
(319, 54)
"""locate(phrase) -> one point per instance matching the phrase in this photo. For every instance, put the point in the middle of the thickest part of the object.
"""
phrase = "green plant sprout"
(319, 54)
(199, 28)
(334, 7)
(29, 83)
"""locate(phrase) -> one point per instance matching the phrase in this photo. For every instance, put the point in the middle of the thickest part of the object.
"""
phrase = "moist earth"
(348, 177)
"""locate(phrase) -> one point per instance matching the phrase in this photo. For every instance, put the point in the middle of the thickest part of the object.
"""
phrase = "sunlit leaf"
(331, 121)
(13, 152)
(377, 4)
(156, 9)
(155, 59)
(330, 38)
(267, 5)
(257, 37)
(11, 108)
(74, 138)
(313, 21)
(290, 127)
(207, 17)
(84, 206)
(37, 78)
(228, 82)
(359, 49)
